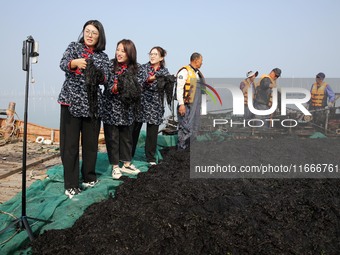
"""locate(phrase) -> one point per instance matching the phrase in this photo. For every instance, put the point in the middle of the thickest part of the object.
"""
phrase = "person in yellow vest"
(263, 93)
(244, 86)
(188, 93)
(322, 96)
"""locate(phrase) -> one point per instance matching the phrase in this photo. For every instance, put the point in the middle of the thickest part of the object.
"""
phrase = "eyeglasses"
(93, 33)
(153, 54)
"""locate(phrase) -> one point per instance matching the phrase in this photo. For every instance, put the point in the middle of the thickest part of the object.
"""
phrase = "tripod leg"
(46, 221)
(27, 227)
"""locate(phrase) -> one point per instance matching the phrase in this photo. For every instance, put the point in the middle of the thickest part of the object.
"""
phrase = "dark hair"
(195, 56)
(131, 53)
(100, 46)
(162, 52)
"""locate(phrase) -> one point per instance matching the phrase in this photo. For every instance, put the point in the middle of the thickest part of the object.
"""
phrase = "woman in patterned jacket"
(152, 102)
(121, 99)
(86, 66)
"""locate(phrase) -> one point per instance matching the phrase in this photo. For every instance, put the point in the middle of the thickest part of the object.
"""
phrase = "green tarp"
(45, 200)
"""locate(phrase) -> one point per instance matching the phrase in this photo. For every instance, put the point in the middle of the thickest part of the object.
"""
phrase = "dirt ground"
(164, 211)
(40, 157)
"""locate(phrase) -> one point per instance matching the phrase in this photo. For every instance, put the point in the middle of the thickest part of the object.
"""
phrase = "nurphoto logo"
(281, 98)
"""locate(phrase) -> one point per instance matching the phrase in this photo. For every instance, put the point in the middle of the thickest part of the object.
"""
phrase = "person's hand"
(78, 63)
(330, 104)
(181, 110)
(115, 89)
(151, 79)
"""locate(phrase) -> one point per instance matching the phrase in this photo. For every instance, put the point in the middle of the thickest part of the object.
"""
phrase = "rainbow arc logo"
(210, 91)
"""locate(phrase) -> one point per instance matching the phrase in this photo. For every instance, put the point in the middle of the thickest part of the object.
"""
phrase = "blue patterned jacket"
(152, 106)
(114, 111)
(73, 92)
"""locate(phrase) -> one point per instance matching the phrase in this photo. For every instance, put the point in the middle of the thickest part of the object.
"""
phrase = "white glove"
(330, 104)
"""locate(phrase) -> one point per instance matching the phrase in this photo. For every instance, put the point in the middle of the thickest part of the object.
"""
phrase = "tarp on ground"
(45, 200)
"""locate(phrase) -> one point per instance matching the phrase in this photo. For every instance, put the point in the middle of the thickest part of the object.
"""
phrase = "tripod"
(27, 52)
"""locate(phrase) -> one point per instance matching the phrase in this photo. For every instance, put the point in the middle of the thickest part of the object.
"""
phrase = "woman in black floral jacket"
(121, 99)
(152, 102)
(85, 66)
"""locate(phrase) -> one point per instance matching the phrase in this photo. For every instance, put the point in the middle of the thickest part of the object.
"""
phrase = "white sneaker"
(130, 169)
(89, 184)
(72, 192)
(116, 174)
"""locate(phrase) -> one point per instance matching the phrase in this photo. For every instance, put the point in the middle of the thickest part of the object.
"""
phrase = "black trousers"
(70, 130)
(118, 141)
(150, 141)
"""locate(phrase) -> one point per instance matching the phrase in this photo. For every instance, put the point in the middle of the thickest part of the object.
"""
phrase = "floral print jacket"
(114, 111)
(73, 92)
(152, 106)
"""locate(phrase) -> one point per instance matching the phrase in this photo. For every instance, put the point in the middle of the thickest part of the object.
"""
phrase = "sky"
(301, 37)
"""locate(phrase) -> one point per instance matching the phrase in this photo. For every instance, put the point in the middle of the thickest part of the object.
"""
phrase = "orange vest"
(318, 94)
(245, 91)
(190, 85)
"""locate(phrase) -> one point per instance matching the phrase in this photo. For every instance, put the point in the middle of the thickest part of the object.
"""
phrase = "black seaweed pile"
(163, 211)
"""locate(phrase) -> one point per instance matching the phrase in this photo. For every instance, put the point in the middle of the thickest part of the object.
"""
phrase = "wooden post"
(9, 128)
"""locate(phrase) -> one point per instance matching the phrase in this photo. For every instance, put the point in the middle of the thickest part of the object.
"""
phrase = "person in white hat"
(244, 86)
